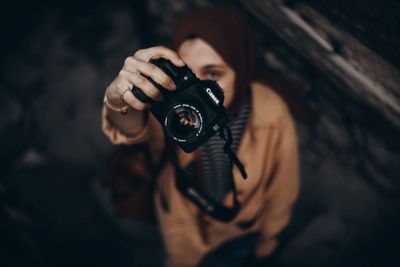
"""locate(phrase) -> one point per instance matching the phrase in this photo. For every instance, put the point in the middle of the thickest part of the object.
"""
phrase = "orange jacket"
(269, 152)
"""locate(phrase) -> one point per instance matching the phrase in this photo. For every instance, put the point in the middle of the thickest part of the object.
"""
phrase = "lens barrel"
(184, 122)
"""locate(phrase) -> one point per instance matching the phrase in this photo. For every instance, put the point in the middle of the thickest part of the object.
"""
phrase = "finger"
(132, 101)
(159, 52)
(114, 91)
(143, 84)
(151, 71)
(122, 94)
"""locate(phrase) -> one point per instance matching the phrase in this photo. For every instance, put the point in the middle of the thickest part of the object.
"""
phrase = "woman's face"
(206, 63)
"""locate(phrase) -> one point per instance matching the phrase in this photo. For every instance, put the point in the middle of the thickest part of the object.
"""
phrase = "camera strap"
(206, 204)
(228, 150)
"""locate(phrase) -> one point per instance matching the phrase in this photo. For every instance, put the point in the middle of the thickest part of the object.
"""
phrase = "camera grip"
(141, 96)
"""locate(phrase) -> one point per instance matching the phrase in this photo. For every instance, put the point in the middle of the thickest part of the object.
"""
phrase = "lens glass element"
(184, 122)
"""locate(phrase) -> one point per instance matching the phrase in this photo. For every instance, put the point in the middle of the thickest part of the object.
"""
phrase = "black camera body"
(190, 114)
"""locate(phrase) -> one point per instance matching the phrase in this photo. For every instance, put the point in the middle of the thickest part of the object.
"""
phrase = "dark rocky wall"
(342, 61)
(345, 52)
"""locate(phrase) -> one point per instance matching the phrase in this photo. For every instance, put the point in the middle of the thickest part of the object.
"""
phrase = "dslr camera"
(193, 112)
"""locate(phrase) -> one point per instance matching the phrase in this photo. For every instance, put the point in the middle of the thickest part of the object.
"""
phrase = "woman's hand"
(119, 92)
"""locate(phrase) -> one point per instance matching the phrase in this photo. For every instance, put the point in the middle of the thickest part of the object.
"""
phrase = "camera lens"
(184, 122)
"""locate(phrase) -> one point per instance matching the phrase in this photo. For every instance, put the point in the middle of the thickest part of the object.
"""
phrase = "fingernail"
(181, 62)
(172, 86)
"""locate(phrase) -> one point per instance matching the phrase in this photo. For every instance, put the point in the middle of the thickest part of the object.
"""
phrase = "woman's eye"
(212, 76)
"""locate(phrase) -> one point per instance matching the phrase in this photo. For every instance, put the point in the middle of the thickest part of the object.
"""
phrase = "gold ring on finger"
(123, 93)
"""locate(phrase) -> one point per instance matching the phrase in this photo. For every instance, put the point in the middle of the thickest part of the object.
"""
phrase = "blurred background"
(336, 63)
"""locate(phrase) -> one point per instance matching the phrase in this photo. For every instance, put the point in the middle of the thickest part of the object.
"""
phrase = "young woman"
(217, 46)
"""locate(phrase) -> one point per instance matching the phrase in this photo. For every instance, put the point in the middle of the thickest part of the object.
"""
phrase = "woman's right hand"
(119, 92)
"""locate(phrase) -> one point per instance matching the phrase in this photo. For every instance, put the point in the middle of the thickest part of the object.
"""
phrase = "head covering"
(229, 37)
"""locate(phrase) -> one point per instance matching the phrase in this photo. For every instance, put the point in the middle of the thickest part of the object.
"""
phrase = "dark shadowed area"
(336, 63)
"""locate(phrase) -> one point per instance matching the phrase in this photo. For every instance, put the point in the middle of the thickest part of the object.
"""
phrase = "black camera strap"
(206, 204)
(228, 150)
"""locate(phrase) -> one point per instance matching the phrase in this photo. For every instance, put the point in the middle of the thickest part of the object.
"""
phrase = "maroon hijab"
(229, 37)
